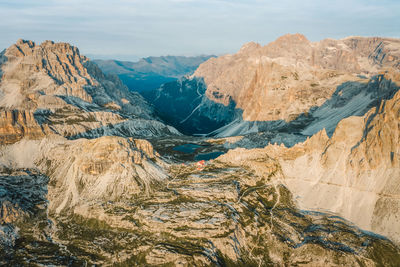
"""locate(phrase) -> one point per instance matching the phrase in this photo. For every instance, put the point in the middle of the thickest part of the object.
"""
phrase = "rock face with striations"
(44, 174)
(51, 86)
(287, 77)
(287, 84)
(15, 124)
(50, 96)
(79, 184)
(355, 173)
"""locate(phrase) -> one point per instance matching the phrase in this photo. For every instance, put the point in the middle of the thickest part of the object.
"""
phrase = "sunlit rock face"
(15, 125)
(106, 168)
(287, 77)
(51, 88)
(289, 83)
(90, 176)
(355, 173)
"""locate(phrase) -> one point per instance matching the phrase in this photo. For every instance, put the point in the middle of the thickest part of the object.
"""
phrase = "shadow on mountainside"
(25, 229)
(184, 105)
(3, 59)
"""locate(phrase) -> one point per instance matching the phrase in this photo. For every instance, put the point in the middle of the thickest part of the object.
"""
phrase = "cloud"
(156, 27)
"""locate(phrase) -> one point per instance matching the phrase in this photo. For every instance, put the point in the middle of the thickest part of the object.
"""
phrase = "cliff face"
(15, 125)
(355, 173)
(51, 88)
(290, 75)
(47, 75)
(289, 82)
(79, 187)
(106, 168)
(184, 105)
(47, 69)
(49, 94)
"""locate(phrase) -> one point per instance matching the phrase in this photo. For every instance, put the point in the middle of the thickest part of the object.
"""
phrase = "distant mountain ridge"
(149, 73)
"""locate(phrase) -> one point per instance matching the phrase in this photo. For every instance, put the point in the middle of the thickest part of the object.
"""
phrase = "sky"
(129, 29)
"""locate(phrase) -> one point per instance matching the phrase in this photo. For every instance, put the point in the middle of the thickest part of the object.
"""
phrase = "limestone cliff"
(106, 168)
(79, 187)
(291, 84)
(287, 77)
(355, 173)
(15, 125)
(62, 92)
(81, 171)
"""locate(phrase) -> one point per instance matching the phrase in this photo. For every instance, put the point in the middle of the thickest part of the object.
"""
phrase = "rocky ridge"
(151, 72)
(78, 189)
(65, 92)
(355, 173)
(287, 77)
(291, 84)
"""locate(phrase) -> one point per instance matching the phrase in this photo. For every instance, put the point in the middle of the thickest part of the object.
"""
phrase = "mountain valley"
(151, 72)
(280, 155)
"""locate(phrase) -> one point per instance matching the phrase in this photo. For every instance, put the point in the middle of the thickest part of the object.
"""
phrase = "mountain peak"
(24, 48)
(250, 46)
(28, 42)
(292, 38)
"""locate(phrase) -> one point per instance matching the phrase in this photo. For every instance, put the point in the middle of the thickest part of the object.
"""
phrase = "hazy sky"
(128, 28)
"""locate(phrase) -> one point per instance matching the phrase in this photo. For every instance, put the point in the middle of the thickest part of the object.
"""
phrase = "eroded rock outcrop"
(62, 91)
(15, 125)
(107, 168)
(48, 69)
(287, 77)
(283, 86)
(355, 173)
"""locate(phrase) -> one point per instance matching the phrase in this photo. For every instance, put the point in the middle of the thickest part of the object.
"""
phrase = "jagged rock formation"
(49, 92)
(76, 188)
(287, 84)
(106, 168)
(149, 73)
(64, 92)
(355, 173)
(350, 99)
(287, 77)
(81, 171)
(15, 125)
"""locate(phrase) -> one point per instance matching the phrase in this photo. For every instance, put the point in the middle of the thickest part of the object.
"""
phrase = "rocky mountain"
(355, 173)
(149, 73)
(51, 97)
(292, 82)
(184, 104)
(90, 174)
(292, 74)
(51, 88)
